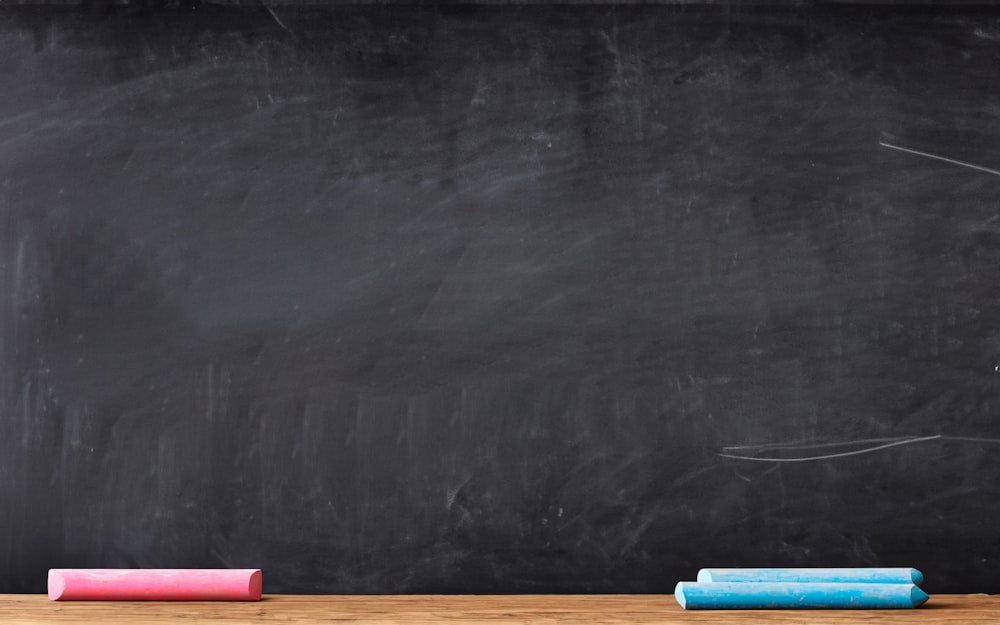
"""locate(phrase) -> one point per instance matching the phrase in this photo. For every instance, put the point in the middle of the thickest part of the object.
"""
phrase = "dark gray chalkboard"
(499, 299)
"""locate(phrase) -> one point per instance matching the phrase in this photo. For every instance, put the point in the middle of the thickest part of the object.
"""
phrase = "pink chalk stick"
(154, 584)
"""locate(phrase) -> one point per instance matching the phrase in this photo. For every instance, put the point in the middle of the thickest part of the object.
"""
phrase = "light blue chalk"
(885, 575)
(772, 595)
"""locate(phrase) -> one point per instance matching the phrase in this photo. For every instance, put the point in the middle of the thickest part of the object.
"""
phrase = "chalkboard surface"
(499, 299)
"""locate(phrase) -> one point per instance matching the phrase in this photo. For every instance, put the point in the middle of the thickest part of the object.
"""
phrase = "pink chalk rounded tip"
(256, 585)
(57, 586)
(155, 584)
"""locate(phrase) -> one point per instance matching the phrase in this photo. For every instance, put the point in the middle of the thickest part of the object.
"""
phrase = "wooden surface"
(446, 609)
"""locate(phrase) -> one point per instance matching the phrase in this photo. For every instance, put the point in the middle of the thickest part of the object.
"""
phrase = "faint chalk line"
(886, 444)
(442, 284)
(971, 439)
(276, 18)
(941, 158)
(856, 452)
(804, 444)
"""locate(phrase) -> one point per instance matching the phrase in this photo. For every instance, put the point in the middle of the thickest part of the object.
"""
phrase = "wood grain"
(468, 609)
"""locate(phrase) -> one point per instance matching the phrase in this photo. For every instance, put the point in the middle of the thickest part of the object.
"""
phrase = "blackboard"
(435, 298)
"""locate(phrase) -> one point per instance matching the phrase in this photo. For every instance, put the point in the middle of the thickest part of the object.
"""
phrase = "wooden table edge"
(610, 609)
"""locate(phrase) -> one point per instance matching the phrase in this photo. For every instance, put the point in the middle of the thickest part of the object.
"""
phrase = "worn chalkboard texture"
(420, 298)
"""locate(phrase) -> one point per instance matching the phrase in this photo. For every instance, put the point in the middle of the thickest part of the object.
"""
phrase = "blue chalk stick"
(889, 575)
(771, 595)
(885, 575)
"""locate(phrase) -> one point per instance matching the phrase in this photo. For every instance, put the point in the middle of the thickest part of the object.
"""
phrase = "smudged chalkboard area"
(486, 299)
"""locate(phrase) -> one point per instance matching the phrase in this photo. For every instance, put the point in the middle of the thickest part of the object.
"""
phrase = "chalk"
(885, 575)
(770, 595)
(154, 584)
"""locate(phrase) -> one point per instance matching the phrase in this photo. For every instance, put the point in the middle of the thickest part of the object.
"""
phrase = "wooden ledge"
(468, 609)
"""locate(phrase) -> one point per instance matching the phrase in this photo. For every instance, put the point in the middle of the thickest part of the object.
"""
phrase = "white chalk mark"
(441, 285)
(941, 158)
(982, 34)
(452, 493)
(806, 445)
(887, 443)
(856, 452)
(276, 18)
(971, 439)
(220, 558)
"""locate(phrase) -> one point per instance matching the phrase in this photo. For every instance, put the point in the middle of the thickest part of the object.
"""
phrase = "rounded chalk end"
(256, 584)
(679, 595)
(57, 585)
(918, 597)
(704, 575)
(916, 576)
